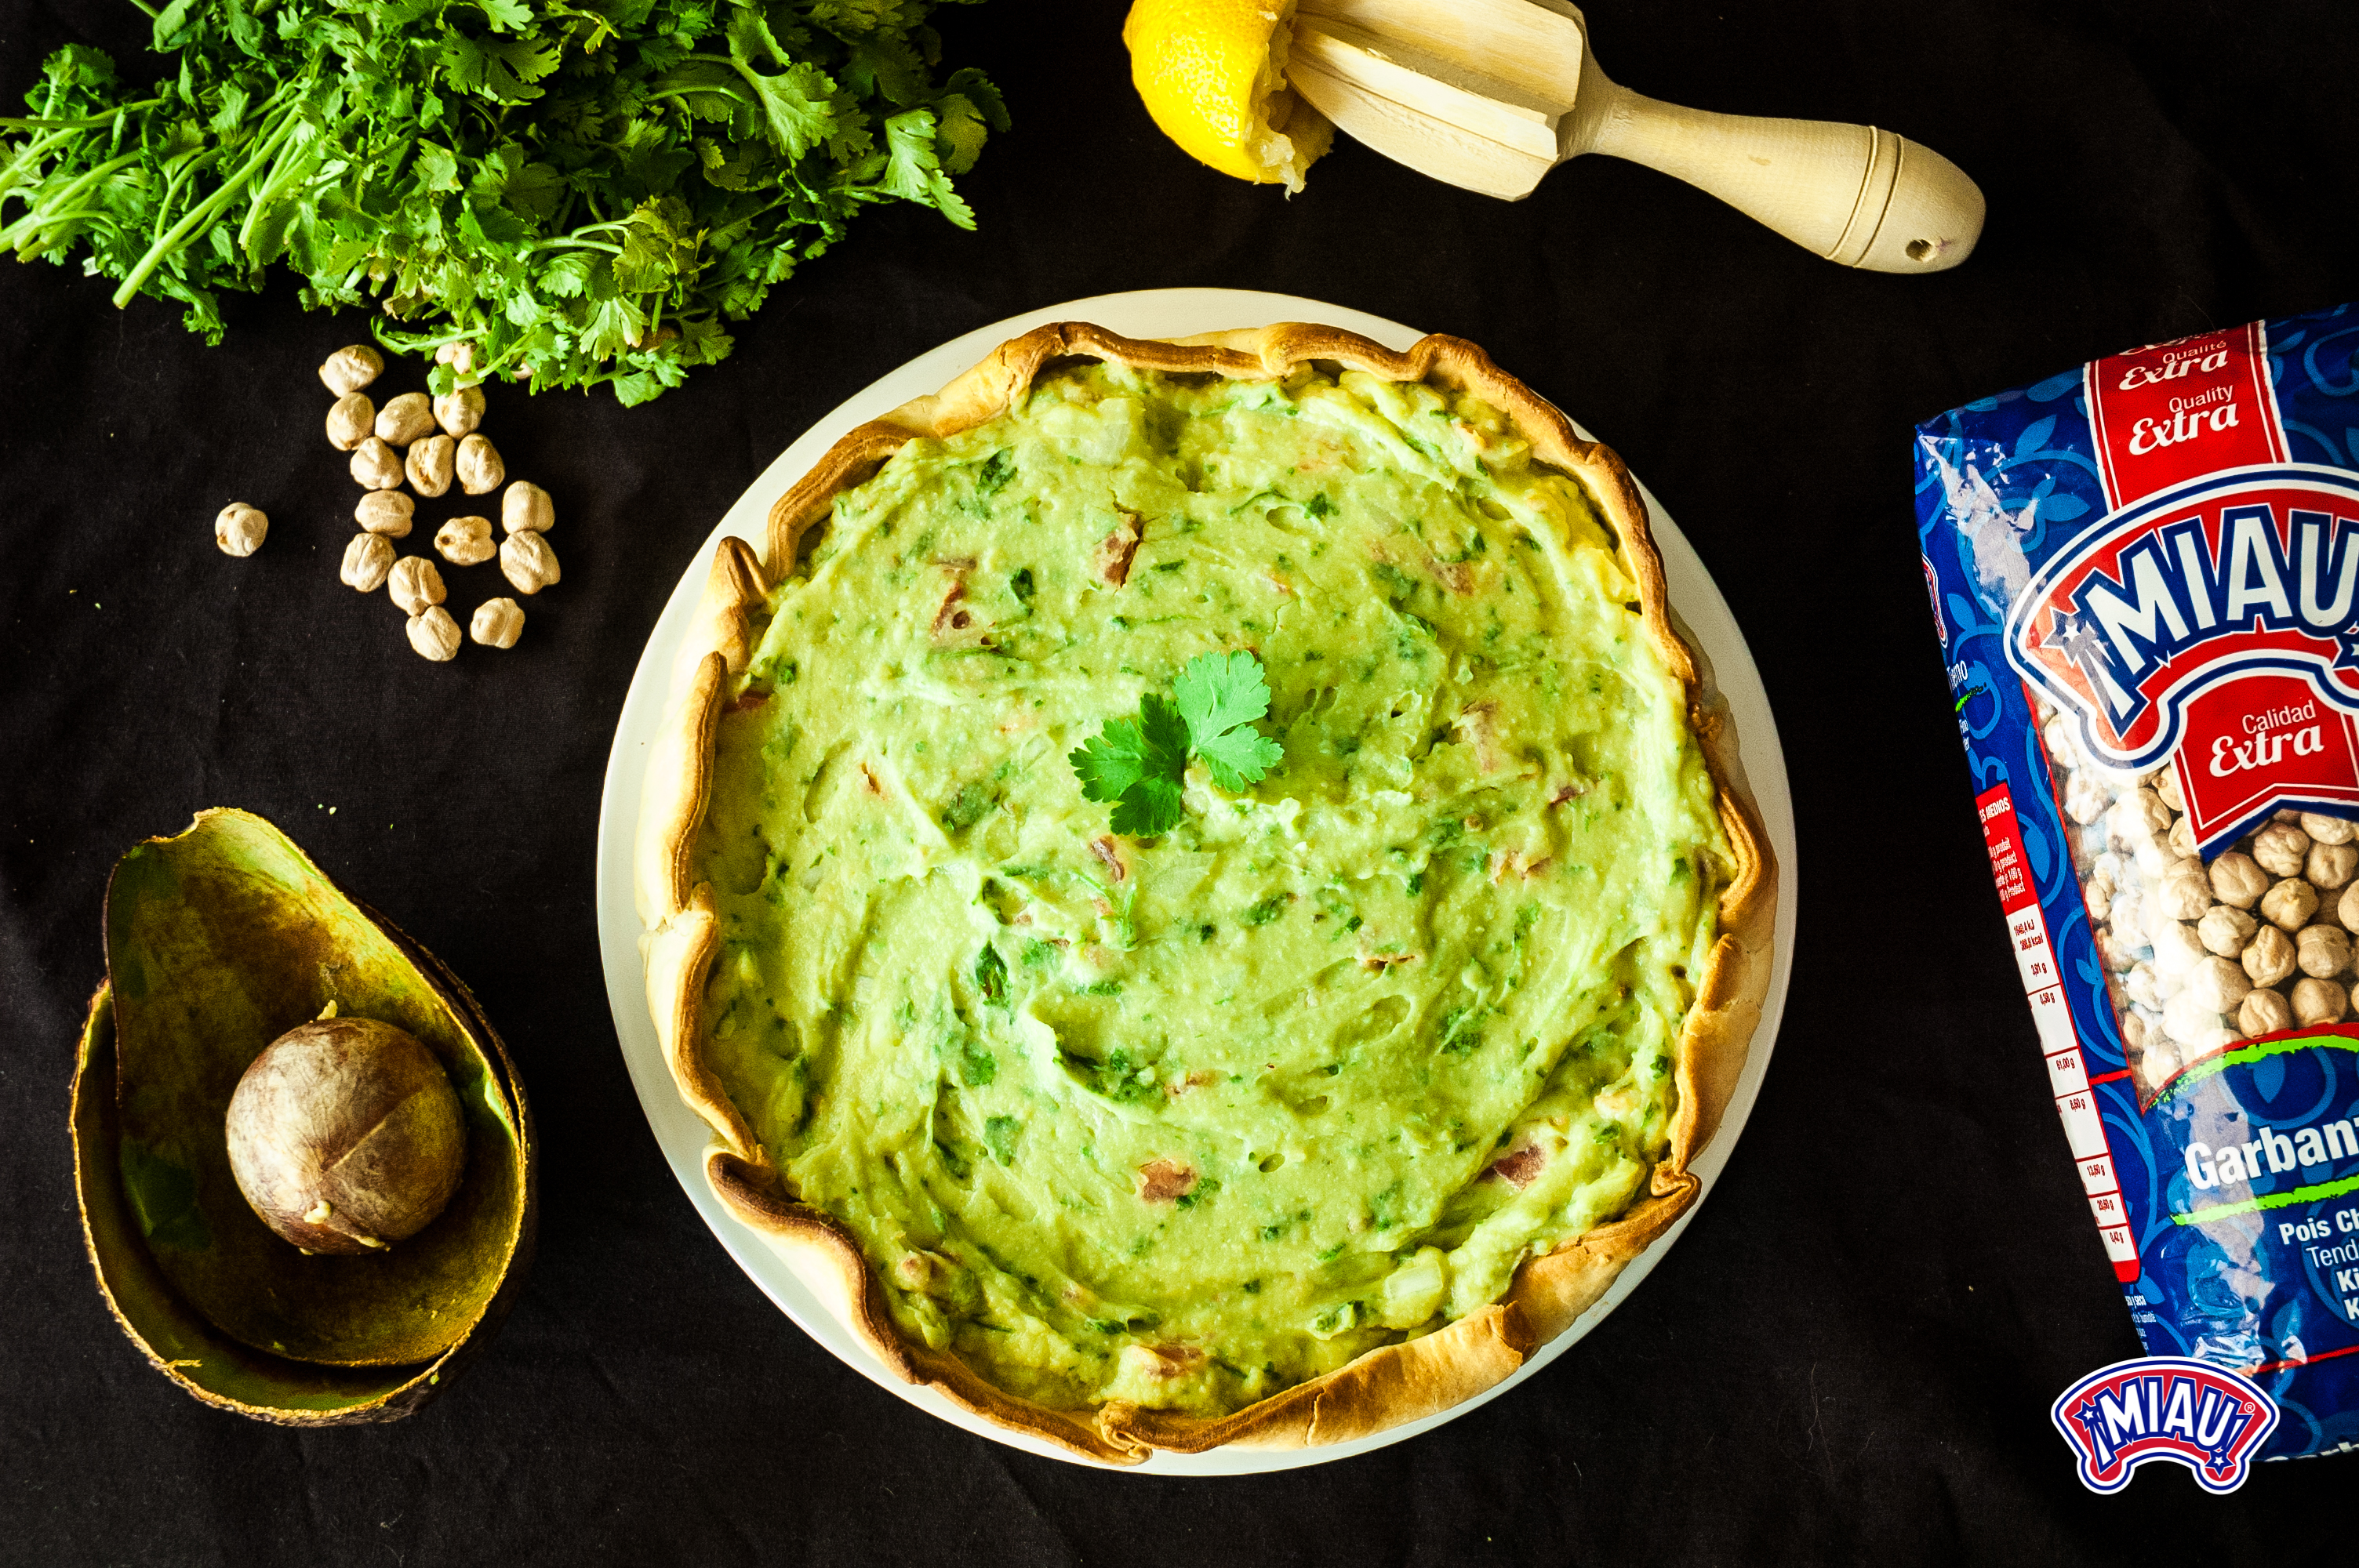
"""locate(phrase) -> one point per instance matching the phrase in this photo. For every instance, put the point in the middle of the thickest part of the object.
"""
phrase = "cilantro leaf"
(1138, 765)
(991, 976)
(1221, 697)
(584, 193)
(1141, 764)
(1148, 809)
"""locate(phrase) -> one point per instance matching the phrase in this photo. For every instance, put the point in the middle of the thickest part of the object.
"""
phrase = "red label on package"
(2258, 743)
(2005, 838)
(2181, 411)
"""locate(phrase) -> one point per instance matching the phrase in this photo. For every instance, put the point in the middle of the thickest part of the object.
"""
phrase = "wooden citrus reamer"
(1492, 94)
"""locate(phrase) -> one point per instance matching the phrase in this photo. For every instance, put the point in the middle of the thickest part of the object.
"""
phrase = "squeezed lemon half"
(1213, 74)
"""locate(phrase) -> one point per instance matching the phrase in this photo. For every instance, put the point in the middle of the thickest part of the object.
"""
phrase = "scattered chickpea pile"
(2198, 956)
(430, 443)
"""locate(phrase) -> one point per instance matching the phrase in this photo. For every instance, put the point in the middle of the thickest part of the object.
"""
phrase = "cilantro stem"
(102, 117)
(153, 14)
(47, 214)
(205, 211)
(282, 174)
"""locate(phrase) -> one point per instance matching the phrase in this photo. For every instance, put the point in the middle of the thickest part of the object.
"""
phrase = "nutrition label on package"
(2068, 1079)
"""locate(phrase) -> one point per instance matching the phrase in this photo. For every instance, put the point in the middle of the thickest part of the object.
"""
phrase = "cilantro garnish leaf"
(1220, 699)
(1139, 765)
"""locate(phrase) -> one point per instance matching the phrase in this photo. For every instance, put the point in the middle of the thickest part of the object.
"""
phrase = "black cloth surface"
(1850, 1354)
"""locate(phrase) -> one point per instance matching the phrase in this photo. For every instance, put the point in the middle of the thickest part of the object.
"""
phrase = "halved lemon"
(1212, 73)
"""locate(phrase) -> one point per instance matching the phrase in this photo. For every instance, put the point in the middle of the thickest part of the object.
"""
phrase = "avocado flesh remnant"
(1192, 1128)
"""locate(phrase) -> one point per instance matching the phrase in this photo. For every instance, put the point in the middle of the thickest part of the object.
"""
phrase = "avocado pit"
(345, 1136)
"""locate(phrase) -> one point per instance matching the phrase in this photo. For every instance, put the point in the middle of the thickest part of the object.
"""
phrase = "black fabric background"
(1849, 1358)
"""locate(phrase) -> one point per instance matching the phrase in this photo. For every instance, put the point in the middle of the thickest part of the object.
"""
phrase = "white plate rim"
(1145, 313)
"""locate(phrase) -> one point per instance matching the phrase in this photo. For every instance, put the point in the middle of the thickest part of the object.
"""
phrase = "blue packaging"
(2146, 576)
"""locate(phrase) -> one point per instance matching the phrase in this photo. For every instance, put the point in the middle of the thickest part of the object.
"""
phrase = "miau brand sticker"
(2164, 1407)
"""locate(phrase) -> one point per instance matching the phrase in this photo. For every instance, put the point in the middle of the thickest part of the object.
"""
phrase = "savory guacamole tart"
(1199, 882)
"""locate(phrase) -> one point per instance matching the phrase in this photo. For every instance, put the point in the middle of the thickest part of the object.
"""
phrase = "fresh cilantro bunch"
(582, 190)
(1140, 765)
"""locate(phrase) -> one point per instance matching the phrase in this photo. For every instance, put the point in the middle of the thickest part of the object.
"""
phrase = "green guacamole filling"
(1189, 1119)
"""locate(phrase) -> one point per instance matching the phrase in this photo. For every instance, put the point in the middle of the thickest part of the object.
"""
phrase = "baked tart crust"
(1384, 1387)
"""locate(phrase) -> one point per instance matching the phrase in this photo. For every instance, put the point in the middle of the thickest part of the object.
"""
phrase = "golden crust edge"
(1393, 1384)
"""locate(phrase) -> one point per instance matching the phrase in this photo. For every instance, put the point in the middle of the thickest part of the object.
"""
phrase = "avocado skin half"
(180, 1259)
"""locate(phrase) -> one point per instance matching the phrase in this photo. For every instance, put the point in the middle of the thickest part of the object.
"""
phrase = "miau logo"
(2251, 570)
(2165, 1406)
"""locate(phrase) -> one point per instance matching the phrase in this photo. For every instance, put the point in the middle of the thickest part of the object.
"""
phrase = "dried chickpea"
(376, 466)
(2280, 848)
(2155, 858)
(2328, 829)
(2217, 984)
(2237, 879)
(2329, 866)
(2181, 839)
(2140, 814)
(2188, 1021)
(385, 512)
(2097, 898)
(239, 529)
(2318, 1001)
(459, 356)
(350, 369)
(2085, 799)
(404, 419)
(429, 464)
(2290, 904)
(367, 561)
(2185, 892)
(2166, 789)
(350, 421)
(2269, 958)
(526, 561)
(2263, 1013)
(2226, 930)
(434, 634)
(525, 508)
(498, 623)
(459, 413)
(2176, 951)
(415, 585)
(2323, 951)
(2346, 908)
(479, 467)
(466, 541)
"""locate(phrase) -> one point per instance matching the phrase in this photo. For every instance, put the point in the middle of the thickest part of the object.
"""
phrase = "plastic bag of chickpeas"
(2146, 576)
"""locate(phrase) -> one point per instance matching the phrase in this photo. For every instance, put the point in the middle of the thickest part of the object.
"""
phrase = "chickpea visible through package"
(2197, 954)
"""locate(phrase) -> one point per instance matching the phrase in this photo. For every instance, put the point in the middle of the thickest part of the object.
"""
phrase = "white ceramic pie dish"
(1703, 616)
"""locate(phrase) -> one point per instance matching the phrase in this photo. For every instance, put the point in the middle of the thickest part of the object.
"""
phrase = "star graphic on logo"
(2076, 641)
